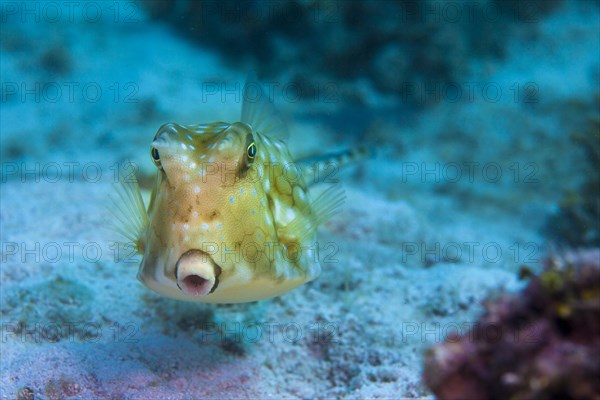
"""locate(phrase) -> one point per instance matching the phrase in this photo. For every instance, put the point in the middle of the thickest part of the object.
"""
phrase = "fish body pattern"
(230, 217)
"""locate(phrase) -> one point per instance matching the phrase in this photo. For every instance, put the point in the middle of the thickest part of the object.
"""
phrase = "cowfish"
(230, 217)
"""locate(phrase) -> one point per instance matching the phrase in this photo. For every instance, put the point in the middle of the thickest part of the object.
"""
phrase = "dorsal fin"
(259, 112)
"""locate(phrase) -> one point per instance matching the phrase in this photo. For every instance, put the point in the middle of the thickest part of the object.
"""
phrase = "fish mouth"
(196, 273)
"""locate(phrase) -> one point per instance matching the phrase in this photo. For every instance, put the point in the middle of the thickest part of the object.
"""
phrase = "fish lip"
(196, 273)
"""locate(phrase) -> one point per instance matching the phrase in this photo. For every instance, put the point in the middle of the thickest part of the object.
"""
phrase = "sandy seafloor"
(394, 285)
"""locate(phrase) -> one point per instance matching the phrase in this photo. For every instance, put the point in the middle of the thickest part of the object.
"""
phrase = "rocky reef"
(395, 46)
(541, 344)
(575, 223)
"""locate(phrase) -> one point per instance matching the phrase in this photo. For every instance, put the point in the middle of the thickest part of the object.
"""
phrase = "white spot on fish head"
(196, 189)
(231, 199)
(290, 213)
(186, 227)
(205, 226)
(194, 213)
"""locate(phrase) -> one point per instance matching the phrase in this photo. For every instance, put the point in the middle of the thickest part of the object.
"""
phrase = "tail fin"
(325, 167)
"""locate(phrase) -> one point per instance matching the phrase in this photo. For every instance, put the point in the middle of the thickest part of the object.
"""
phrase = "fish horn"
(196, 273)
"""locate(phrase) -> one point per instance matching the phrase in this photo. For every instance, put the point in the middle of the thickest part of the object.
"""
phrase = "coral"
(388, 43)
(543, 343)
(61, 388)
(25, 393)
(577, 221)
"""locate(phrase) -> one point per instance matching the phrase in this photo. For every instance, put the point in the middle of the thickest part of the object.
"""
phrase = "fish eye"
(155, 157)
(251, 150)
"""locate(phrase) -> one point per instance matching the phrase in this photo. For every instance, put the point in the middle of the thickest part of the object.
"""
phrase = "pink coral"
(543, 343)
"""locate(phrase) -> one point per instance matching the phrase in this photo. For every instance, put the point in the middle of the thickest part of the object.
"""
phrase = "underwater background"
(464, 263)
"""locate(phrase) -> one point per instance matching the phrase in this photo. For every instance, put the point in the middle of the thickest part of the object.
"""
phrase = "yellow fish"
(230, 218)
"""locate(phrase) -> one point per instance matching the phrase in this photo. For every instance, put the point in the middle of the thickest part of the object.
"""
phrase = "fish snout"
(196, 273)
